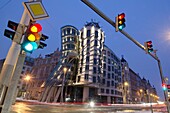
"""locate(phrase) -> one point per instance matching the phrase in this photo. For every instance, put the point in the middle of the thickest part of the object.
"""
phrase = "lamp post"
(125, 92)
(62, 87)
(141, 94)
(27, 79)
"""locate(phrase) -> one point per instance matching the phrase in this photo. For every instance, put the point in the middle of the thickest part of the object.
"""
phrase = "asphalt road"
(31, 107)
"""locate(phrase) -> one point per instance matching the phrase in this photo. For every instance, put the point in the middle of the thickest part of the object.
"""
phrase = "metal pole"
(150, 101)
(129, 37)
(13, 85)
(62, 88)
(163, 81)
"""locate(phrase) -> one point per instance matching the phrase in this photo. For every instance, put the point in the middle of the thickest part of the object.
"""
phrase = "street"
(33, 107)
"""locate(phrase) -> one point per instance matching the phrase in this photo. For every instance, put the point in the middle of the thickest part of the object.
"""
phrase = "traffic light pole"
(10, 62)
(10, 95)
(133, 40)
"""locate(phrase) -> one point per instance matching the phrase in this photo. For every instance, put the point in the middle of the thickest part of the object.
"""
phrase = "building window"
(96, 34)
(108, 75)
(108, 53)
(98, 78)
(104, 66)
(102, 90)
(109, 68)
(107, 91)
(113, 76)
(88, 42)
(78, 79)
(104, 58)
(112, 91)
(87, 67)
(113, 83)
(95, 43)
(104, 73)
(81, 34)
(108, 61)
(88, 33)
(94, 61)
(94, 79)
(80, 69)
(86, 76)
(87, 59)
(68, 30)
(103, 81)
(112, 68)
(94, 70)
(108, 83)
(64, 32)
(73, 32)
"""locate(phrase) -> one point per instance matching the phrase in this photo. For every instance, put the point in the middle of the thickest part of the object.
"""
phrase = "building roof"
(96, 24)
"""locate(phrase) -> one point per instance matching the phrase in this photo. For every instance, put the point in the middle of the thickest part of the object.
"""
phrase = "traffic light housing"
(120, 22)
(41, 45)
(148, 47)
(164, 86)
(8, 33)
(32, 37)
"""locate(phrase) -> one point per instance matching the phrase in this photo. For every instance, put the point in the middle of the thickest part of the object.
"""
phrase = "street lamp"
(126, 84)
(141, 91)
(62, 87)
(27, 79)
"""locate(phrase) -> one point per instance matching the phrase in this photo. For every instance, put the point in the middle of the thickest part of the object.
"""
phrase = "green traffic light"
(121, 26)
(29, 46)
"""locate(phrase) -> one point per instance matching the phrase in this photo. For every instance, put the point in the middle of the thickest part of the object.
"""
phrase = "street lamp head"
(65, 69)
(27, 78)
(141, 90)
(126, 83)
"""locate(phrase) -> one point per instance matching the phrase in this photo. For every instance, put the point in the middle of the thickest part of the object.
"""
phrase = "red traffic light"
(149, 42)
(35, 28)
(121, 16)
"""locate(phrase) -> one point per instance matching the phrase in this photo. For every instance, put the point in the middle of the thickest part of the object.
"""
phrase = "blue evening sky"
(145, 20)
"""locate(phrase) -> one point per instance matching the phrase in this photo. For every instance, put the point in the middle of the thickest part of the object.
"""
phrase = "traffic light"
(120, 22)
(148, 47)
(13, 26)
(32, 37)
(41, 45)
(164, 86)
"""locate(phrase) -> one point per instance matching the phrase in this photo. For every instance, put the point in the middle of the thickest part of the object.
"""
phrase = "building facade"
(26, 70)
(40, 71)
(141, 89)
(127, 94)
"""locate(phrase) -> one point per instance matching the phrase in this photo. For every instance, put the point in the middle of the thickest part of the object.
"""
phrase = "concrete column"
(85, 93)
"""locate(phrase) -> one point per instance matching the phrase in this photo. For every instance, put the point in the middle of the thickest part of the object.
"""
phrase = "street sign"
(36, 10)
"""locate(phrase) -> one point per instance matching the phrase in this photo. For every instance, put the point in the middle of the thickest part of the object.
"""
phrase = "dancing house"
(87, 70)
